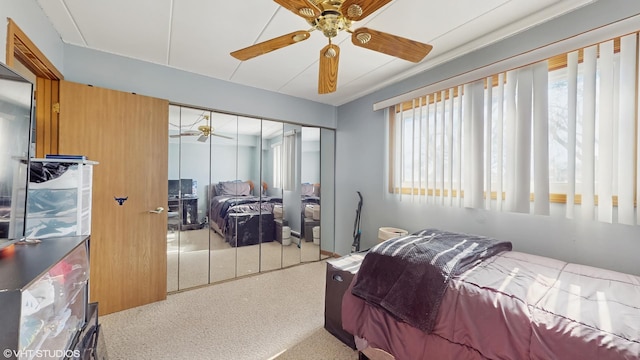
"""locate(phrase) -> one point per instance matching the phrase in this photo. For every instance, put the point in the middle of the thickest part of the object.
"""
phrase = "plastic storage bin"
(286, 235)
(316, 235)
(59, 198)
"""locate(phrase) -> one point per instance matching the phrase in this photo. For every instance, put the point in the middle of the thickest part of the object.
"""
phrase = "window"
(560, 130)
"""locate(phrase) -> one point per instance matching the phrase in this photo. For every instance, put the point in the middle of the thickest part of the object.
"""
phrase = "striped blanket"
(407, 276)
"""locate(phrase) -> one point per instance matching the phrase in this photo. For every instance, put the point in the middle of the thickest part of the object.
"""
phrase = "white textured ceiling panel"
(199, 35)
(137, 29)
(59, 16)
(204, 32)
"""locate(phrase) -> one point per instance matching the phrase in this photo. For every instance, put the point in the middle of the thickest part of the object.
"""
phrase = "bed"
(428, 296)
(239, 216)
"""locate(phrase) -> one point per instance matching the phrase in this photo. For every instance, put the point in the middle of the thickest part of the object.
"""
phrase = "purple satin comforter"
(515, 306)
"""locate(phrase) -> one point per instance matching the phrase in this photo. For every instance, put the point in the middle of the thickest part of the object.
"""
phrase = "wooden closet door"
(127, 134)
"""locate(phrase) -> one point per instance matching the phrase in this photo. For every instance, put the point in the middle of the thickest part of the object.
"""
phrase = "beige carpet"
(279, 314)
(321, 345)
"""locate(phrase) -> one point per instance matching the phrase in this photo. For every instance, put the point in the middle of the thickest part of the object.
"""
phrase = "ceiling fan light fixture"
(306, 12)
(330, 23)
(205, 129)
(354, 11)
(363, 37)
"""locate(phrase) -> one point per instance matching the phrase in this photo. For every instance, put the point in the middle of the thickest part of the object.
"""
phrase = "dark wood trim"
(20, 47)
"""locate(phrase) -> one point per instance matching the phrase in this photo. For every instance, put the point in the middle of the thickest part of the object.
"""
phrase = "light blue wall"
(361, 136)
(120, 73)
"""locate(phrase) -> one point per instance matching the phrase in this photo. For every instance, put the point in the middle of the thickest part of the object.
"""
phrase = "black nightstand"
(189, 211)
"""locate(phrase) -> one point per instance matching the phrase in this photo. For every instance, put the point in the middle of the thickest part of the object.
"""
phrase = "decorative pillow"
(235, 188)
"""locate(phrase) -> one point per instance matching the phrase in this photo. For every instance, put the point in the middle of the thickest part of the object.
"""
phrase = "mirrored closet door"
(223, 147)
(327, 179)
(271, 249)
(310, 187)
(244, 196)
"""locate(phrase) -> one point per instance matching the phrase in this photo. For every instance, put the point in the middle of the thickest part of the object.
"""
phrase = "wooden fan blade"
(357, 10)
(328, 74)
(222, 136)
(301, 8)
(270, 45)
(203, 138)
(393, 45)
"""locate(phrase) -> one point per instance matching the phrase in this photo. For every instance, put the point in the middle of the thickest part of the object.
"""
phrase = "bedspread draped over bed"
(238, 215)
(512, 306)
(424, 260)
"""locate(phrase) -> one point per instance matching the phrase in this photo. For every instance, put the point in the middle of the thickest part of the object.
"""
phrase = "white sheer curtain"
(588, 132)
(627, 137)
(523, 134)
(572, 100)
(289, 161)
(475, 162)
(277, 166)
(468, 141)
(443, 143)
(608, 146)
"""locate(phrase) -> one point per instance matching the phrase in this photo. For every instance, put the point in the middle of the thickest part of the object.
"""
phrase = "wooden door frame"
(22, 49)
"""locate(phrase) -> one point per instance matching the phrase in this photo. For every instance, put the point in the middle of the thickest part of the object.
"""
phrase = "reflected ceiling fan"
(203, 132)
(330, 17)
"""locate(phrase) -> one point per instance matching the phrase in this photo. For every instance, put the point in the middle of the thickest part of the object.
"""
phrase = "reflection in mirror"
(246, 214)
(224, 191)
(327, 176)
(173, 222)
(271, 191)
(244, 196)
(186, 197)
(290, 173)
(310, 193)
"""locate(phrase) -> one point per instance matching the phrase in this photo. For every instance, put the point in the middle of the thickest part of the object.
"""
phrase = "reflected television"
(182, 187)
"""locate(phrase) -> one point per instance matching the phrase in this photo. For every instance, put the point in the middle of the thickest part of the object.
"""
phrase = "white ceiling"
(198, 35)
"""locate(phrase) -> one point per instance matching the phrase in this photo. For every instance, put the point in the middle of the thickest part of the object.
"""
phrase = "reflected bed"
(240, 217)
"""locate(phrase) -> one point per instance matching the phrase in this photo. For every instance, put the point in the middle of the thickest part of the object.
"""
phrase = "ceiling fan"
(203, 132)
(330, 17)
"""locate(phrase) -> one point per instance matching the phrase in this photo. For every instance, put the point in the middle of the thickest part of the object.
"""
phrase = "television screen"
(174, 188)
(186, 187)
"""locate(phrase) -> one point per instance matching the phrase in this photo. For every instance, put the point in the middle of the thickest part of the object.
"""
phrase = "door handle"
(158, 210)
